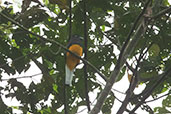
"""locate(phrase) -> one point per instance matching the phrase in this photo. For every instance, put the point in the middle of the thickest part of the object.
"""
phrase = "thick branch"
(131, 32)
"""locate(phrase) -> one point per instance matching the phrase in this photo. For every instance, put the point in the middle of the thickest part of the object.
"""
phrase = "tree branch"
(70, 19)
(128, 95)
(85, 56)
(133, 83)
(66, 99)
(113, 91)
(158, 97)
(55, 42)
(148, 93)
(21, 77)
(131, 31)
(134, 80)
(161, 13)
(126, 50)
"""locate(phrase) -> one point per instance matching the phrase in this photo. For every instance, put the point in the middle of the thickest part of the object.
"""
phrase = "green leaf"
(32, 17)
(162, 110)
(103, 28)
(148, 74)
(154, 50)
(167, 102)
(46, 2)
(166, 3)
(46, 111)
(5, 109)
(55, 88)
(106, 109)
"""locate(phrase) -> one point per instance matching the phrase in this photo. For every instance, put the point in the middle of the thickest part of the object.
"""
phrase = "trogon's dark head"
(75, 39)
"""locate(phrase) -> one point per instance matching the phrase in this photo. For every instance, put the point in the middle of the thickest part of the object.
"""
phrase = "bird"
(75, 46)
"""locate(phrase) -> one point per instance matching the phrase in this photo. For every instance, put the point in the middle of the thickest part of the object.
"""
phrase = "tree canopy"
(124, 38)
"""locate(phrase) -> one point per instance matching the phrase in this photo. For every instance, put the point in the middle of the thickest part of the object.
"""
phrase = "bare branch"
(158, 97)
(21, 77)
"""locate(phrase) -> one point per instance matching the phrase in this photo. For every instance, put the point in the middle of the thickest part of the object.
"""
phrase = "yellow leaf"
(129, 77)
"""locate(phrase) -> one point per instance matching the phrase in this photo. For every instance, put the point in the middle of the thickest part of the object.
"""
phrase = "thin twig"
(158, 98)
(161, 13)
(21, 77)
(158, 82)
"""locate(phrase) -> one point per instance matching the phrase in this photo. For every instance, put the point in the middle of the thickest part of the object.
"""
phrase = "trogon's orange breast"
(71, 60)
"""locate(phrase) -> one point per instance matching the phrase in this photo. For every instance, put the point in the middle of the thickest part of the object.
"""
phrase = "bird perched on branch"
(75, 46)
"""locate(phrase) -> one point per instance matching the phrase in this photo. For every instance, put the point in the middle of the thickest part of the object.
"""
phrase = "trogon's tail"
(69, 76)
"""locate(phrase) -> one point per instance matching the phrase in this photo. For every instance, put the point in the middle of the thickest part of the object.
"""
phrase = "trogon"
(75, 46)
